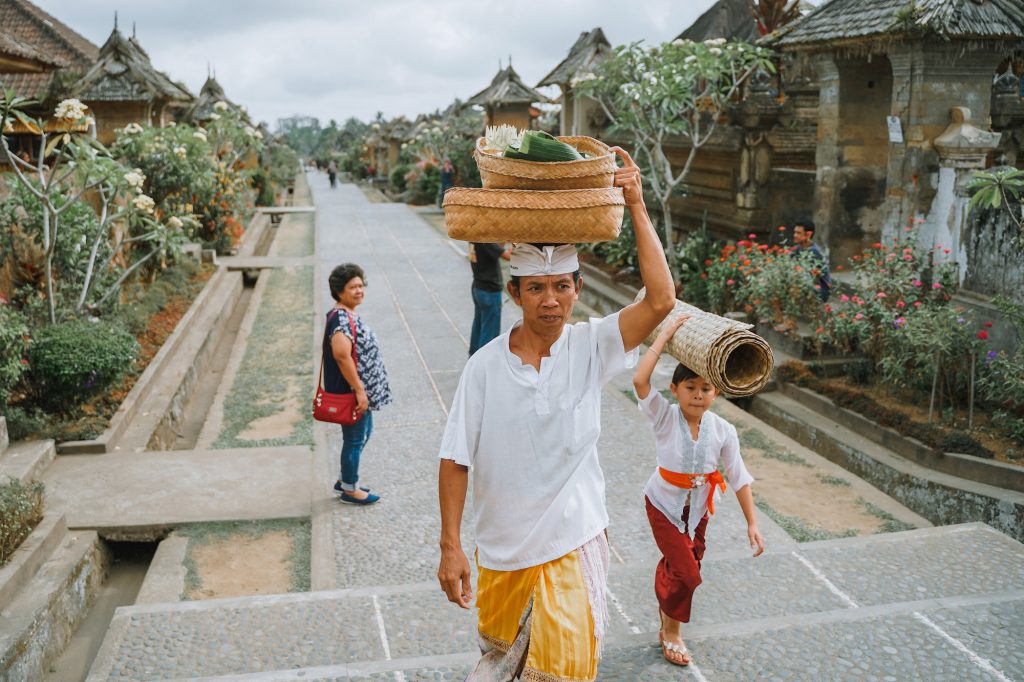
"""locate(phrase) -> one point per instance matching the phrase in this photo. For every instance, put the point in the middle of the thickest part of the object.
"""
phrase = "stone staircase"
(929, 604)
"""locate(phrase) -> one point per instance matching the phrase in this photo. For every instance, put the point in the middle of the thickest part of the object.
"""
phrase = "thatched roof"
(585, 53)
(209, 95)
(28, 30)
(846, 21)
(507, 88)
(123, 73)
(729, 19)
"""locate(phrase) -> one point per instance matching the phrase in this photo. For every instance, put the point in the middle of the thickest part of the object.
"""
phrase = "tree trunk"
(49, 265)
(670, 242)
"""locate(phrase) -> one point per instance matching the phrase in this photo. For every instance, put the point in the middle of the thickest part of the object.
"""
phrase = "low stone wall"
(38, 625)
(941, 498)
(989, 472)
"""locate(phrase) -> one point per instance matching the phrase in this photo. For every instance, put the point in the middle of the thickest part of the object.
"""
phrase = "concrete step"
(366, 630)
(37, 624)
(26, 460)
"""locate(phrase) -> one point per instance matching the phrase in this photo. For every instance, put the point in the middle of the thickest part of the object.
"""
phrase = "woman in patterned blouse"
(353, 362)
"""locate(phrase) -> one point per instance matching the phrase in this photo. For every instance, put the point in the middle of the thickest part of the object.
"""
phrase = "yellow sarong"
(546, 609)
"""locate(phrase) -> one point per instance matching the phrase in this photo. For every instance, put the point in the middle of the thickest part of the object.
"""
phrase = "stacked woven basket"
(561, 202)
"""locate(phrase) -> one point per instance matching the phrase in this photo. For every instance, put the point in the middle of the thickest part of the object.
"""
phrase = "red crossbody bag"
(336, 408)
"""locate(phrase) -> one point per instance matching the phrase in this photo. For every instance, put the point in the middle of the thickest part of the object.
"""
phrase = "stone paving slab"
(141, 494)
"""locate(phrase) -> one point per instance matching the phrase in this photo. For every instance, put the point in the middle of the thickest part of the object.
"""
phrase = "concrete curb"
(26, 460)
(165, 578)
(322, 560)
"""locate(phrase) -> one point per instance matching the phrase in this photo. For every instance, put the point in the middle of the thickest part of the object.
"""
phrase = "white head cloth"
(528, 260)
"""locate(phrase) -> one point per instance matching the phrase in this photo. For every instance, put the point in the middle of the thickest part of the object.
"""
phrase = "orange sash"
(695, 481)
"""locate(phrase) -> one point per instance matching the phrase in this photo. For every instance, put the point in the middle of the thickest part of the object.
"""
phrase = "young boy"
(680, 495)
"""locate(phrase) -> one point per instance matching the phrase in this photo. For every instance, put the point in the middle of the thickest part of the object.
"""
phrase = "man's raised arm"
(638, 320)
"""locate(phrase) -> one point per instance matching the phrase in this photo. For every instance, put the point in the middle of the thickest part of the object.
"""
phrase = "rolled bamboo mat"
(725, 352)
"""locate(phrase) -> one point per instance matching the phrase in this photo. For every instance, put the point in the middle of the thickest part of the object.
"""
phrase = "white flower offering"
(498, 138)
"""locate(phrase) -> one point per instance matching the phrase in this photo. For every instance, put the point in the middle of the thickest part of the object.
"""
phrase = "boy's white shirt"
(676, 451)
(531, 440)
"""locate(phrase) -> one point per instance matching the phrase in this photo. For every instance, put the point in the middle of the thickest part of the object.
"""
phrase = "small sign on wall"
(895, 129)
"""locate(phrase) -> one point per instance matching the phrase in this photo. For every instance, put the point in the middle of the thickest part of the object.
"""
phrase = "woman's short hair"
(683, 373)
(341, 275)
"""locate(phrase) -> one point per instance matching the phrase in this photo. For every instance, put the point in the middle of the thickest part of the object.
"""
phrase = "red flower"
(708, 261)
(983, 335)
(744, 243)
(876, 245)
(762, 247)
(3, 300)
(751, 236)
(988, 324)
(731, 282)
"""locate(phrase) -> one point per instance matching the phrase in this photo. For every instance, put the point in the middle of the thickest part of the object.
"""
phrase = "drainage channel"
(129, 562)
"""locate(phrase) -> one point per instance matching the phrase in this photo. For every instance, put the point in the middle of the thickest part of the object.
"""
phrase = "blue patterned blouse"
(369, 362)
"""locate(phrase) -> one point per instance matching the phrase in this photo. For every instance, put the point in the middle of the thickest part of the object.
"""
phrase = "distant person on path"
(365, 374)
(689, 442)
(526, 417)
(485, 259)
(332, 173)
(803, 240)
(447, 179)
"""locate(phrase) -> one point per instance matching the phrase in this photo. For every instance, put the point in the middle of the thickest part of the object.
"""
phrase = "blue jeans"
(354, 439)
(486, 318)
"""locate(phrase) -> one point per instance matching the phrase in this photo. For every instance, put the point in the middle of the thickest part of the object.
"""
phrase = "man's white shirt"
(531, 440)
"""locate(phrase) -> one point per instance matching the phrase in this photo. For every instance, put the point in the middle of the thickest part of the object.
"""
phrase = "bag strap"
(355, 356)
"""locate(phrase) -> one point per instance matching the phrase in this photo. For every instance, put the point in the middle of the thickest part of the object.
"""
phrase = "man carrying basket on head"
(526, 419)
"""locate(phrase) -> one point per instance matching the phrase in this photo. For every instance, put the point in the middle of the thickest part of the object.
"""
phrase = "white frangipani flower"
(70, 109)
(214, 117)
(132, 128)
(221, 106)
(180, 152)
(175, 223)
(199, 136)
(144, 203)
(134, 178)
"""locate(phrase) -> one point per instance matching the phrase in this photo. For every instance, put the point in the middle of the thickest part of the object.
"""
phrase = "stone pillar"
(962, 149)
(827, 176)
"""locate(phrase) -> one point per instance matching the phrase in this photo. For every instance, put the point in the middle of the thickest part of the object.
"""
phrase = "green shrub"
(72, 360)
(25, 423)
(21, 509)
(427, 186)
(396, 178)
(13, 344)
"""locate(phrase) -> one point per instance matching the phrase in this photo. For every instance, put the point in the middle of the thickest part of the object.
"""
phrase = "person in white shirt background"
(526, 420)
(689, 442)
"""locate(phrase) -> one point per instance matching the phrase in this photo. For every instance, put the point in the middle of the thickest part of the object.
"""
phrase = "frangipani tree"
(71, 166)
(677, 89)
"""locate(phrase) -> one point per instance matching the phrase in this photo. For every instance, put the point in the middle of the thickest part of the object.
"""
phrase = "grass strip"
(797, 528)
(752, 438)
(200, 534)
(834, 480)
(890, 524)
(277, 365)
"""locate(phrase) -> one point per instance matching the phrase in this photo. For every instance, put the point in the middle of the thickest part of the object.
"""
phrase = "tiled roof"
(729, 19)
(584, 53)
(507, 88)
(123, 72)
(846, 20)
(32, 85)
(14, 46)
(29, 24)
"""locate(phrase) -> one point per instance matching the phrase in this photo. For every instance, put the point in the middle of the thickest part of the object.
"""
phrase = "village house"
(124, 87)
(202, 109)
(39, 58)
(577, 113)
(507, 100)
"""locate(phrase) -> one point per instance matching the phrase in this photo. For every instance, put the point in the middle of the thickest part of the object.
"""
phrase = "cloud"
(340, 58)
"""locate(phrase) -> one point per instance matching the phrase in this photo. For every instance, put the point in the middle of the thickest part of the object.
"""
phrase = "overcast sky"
(340, 58)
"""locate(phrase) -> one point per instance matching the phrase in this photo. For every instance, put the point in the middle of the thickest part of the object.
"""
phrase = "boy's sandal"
(676, 654)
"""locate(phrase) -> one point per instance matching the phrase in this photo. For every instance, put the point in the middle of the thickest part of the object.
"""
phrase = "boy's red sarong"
(678, 572)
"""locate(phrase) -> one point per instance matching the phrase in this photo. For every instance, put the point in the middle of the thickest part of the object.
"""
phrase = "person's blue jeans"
(486, 318)
(354, 439)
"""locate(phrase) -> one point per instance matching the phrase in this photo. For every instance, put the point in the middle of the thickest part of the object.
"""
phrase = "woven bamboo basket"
(515, 215)
(725, 352)
(595, 172)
